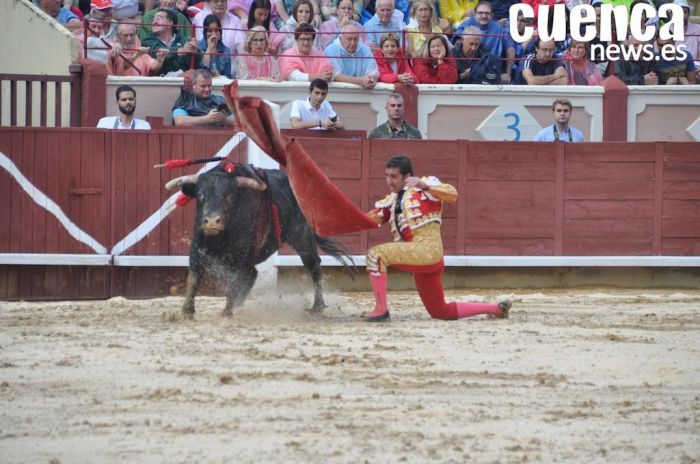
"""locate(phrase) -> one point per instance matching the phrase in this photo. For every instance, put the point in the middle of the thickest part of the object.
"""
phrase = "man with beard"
(396, 127)
(200, 108)
(126, 102)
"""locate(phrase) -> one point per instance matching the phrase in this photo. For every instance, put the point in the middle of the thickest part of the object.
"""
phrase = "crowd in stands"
(359, 42)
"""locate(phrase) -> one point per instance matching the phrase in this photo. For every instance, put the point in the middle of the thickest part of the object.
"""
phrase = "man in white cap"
(691, 33)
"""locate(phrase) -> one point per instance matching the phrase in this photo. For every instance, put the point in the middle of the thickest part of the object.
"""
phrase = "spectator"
(501, 10)
(369, 9)
(314, 112)
(456, 11)
(691, 35)
(239, 8)
(284, 9)
(560, 131)
(97, 49)
(435, 66)
(200, 108)
(232, 34)
(301, 13)
(215, 56)
(425, 19)
(522, 49)
(330, 29)
(536, 4)
(396, 127)
(183, 31)
(304, 62)
(126, 104)
(165, 36)
(256, 63)
(129, 58)
(674, 71)
(393, 66)
(542, 67)
(125, 9)
(636, 72)
(63, 15)
(259, 15)
(475, 65)
(579, 69)
(353, 62)
(494, 36)
(102, 10)
(382, 22)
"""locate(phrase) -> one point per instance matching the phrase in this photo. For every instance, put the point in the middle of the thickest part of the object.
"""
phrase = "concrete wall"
(35, 44)
(471, 112)
(663, 113)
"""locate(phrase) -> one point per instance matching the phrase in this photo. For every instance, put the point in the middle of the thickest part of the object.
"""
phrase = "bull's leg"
(190, 292)
(312, 263)
(238, 289)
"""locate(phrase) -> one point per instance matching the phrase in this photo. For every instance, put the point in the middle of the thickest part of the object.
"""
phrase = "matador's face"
(394, 179)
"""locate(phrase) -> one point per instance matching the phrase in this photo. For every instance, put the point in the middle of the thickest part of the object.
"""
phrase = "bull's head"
(217, 194)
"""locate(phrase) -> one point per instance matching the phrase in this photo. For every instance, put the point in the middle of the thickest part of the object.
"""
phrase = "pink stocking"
(378, 281)
(467, 309)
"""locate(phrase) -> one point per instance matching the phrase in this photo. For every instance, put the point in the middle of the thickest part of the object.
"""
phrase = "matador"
(414, 210)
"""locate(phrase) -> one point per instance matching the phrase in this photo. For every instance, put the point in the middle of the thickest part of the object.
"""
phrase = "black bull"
(235, 230)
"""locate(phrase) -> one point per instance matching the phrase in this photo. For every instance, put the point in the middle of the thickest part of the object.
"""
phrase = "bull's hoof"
(316, 309)
(227, 313)
(187, 316)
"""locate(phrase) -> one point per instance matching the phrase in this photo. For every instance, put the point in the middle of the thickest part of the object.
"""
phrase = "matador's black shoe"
(505, 306)
(384, 317)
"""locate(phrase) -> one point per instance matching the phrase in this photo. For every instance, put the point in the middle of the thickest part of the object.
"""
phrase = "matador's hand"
(416, 182)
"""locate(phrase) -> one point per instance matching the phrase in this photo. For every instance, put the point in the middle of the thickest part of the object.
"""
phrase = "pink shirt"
(314, 63)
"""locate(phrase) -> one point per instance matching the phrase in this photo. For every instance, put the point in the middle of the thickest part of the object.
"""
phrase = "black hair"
(124, 88)
(263, 5)
(403, 163)
(172, 17)
(211, 19)
(319, 84)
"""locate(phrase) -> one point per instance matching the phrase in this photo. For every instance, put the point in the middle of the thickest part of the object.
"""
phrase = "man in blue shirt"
(560, 131)
(383, 21)
(353, 62)
(62, 15)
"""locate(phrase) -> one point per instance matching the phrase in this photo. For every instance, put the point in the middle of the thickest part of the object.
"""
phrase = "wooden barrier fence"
(75, 199)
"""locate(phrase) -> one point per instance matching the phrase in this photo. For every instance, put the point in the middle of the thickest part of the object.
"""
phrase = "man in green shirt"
(395, 127)
(184, 32)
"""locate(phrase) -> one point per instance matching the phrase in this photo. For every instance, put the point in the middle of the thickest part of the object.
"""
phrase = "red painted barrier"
(516, 199)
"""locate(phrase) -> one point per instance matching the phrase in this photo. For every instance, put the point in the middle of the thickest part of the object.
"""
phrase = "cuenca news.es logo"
(582, 27)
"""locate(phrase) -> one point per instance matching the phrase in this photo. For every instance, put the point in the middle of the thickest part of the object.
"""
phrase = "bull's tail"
(339, 252)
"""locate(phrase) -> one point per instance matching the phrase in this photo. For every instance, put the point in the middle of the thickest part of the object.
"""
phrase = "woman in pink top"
(259, 15)
(579, 69)
(255, 63)
(302, 12)
(303, 62)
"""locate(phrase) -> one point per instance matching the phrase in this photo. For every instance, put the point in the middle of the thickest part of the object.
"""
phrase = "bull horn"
(178, 181)
(247, 182)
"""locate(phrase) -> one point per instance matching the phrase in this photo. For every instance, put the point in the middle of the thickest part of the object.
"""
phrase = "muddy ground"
(595, 375)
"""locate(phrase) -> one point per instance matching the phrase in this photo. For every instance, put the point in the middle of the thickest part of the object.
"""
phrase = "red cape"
(327, 209)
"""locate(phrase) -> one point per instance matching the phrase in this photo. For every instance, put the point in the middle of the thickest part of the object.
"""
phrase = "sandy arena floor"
(577, 376)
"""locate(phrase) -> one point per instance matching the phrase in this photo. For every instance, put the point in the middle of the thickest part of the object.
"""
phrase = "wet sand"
(595, 375)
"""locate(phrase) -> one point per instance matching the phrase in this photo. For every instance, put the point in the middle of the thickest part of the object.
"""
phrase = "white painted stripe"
(49, 259)
(156, 218)
(49, 205)
(528, 261)
(152, 261)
